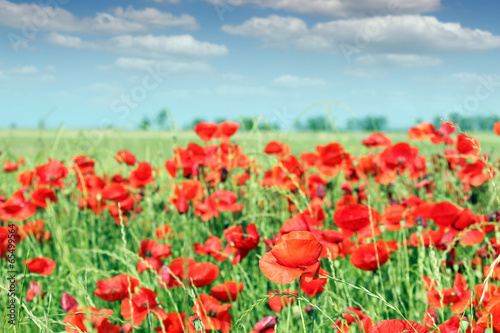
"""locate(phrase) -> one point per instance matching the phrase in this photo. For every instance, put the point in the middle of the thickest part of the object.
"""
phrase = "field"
(171, 236)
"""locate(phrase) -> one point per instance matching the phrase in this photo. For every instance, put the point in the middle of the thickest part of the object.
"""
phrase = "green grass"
(89, 247)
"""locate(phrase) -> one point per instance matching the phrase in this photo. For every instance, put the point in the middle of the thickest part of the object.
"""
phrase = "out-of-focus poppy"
(98, 319)
(458, 296)
(313, 287)
(43, 266)
(124, 156)
(397, 326)
(276, 303)
(142, 175)
(199, 274)
(277, 148)
(468, 145)
(83, 165)
(116, 288)
(241, 242)
(10, 167)
(152, 255)
(206, 131)
(34, 290)
(213, 247)
(41, 195)
(173, 323)
(68, 302)
(25, 178)
(34, 228)
(214, 317)
(355, 217)
(496, 128)
(17, 208)
(371, 256)
(356, 316)
(51, 174)
(376, 140)
(265, 325)
(140, 305)
(227, 292)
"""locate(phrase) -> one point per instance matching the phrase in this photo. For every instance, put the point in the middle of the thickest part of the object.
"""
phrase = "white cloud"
(155, 18)
(23, 74)
(340, 8)
(413, 34)
(32, 17)
(159, 46)
(69, 41)
(289, 81)
(397, 60)
(147, 46)
(163, 65)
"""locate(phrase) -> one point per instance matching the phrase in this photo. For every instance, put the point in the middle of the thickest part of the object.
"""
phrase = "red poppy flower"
(295, 254)
(219, 201)
(214, 317)
(398, 156)
(496, 128)
(227, 292)
(277, 303)
(397, 326)
(206, 131)
(114, 192)
(152, 254)
(78, 318)
(68, 302)
(36, 229)
(10, 167)
(17, 208)
(41, 195)
(376, 140)
(142, 175)
(34, 290)
(226, 129)
(475, 174)
(213, 247)
(124, 156)
(313, 287)
(353, 315)
(116, 288)
(173, 323)
(458, 296)
(43, 266)
(371, 256)
(188, 190)
(242, 244)
(164, 232)
(444, 214)
(265, 325)
(355, 217)
(51, 174)
(277, 148)
(468, 145)
(198, 274)
(423, 131)
(25, 178)
(491, 313)
(83, 165)
(140, 305)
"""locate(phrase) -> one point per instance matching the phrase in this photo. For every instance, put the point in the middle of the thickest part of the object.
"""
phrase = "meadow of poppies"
(403, 237)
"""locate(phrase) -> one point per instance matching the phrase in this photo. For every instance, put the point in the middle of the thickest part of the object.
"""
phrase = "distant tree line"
(472, 123)
(322, 123)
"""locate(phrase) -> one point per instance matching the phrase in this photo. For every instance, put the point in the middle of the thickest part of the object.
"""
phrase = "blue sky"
(98, 63)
